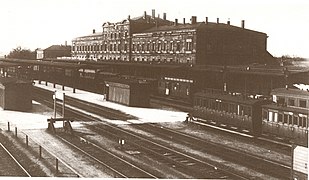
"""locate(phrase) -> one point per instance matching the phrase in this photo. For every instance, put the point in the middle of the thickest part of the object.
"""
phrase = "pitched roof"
(151, 20)
(200, 25)
(58, 48)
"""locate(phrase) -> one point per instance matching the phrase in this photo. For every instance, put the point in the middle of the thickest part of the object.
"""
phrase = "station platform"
(34, 124)
(144, 115)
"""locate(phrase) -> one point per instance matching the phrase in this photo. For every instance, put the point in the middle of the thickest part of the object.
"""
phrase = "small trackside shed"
(15, 94)
(130, 92)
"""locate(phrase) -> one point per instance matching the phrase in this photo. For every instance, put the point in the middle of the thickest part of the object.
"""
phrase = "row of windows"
(115, 35)
(292, 101)
(137, 59)
(164, 60)
(102, 47)
(290, 118)
(163, 46)
(220, 105)
(150, 46)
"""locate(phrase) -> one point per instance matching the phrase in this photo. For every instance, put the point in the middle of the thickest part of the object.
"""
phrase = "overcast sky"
(35, 24)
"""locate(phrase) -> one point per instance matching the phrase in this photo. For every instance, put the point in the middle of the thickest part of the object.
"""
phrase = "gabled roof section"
(90, 35)
(142, 19)
(150, 19)
(58, 48)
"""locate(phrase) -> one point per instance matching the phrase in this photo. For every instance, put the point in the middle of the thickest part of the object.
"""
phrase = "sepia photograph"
(165, 89)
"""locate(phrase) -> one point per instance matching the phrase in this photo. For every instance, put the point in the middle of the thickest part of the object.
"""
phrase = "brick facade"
(149, 39)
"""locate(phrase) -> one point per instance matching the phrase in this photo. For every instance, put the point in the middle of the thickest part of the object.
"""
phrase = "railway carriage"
(287, 116)
(230, 110)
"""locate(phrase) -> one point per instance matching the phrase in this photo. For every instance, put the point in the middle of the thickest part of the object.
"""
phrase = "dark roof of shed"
(128, 81)
(9, 80)
(61, 64)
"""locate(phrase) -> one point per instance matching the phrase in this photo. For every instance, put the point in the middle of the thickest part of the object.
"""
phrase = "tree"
(20, 53)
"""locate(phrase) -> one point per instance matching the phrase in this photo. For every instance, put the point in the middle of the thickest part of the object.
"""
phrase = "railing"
(61, 167)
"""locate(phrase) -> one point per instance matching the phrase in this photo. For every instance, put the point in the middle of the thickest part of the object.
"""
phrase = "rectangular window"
(285, 120)
(280, 100)
(178, 46)
(290, 119)
(275, 117)
(147, 47)
(264, 114)
(304, 119)
(159, 46)
(189, 44)
(270, 116)
(302, 103)
(291, 102)
(280, 117)
(295, 120)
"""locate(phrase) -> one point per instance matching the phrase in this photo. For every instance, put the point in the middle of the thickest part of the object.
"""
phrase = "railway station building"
(151, 39)
(114, 42)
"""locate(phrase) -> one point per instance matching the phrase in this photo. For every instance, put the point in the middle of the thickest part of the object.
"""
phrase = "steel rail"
(15, 160)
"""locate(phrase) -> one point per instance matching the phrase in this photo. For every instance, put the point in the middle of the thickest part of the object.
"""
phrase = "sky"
(35, 24)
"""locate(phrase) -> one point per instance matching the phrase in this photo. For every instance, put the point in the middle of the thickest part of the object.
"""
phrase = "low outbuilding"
(15, 94)
(130, 92)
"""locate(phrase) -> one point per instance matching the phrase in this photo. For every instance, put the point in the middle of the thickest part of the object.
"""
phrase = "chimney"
(243, 24)
(66, 43)
(217, 20)
(206, 20)
(145, 14)
(93, 31)
(229, 22)
(153, 14)
(193, 20)
(164, 16)
(129, 17)
(184, 20)
(176, 22)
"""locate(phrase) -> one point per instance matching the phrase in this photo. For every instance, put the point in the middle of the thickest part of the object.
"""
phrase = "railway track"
(271, 168)
(258, 163)
(9, 165)
(278, 146)
(115, 165)
(192, 167)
